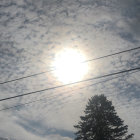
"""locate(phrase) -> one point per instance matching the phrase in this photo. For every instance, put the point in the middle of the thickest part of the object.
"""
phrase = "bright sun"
(69, 67)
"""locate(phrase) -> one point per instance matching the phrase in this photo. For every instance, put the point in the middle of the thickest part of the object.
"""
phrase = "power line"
(64, 85)
(33, 101)
(24, 77)
(112, 54)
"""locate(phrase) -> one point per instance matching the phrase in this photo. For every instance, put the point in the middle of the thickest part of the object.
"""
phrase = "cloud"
(33, 31)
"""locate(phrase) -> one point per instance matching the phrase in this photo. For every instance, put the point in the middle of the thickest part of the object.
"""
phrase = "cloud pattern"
(33, 31)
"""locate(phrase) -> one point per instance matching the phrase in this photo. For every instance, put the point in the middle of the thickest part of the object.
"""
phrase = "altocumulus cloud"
(33, 31)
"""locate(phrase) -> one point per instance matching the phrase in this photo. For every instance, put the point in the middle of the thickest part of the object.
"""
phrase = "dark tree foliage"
(101, 122)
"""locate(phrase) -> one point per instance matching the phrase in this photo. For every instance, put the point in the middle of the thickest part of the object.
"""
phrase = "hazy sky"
(32, 32)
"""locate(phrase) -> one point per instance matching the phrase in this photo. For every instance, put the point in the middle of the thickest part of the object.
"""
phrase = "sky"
(32, 33)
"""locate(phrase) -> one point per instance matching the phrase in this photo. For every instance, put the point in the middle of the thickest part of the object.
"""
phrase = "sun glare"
(69, 67)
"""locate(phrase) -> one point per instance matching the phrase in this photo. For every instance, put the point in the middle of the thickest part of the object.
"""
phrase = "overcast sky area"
(31, 34)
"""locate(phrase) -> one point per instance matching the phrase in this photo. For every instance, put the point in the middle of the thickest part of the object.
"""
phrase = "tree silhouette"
(101, 122)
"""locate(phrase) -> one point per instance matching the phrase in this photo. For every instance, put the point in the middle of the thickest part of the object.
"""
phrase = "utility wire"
(33, 101)
(24, 77)
(64, 85)
(112, 54)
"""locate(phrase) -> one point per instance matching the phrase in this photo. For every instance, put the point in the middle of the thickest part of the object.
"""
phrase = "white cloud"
(32, 33)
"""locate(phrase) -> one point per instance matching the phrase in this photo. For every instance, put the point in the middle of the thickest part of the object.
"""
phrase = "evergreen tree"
(101, 122)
